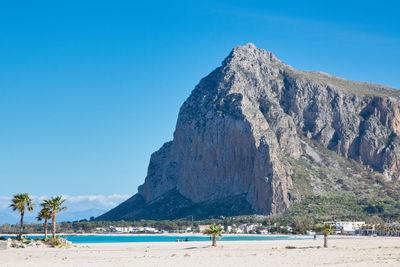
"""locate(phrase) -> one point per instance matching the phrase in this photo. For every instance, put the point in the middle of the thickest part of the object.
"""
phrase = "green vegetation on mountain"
(341, 188)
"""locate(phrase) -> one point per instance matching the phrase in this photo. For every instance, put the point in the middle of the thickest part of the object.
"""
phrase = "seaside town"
(339, 228)
(300, 226)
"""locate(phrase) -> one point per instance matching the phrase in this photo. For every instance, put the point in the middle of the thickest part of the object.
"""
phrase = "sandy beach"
(352, 251)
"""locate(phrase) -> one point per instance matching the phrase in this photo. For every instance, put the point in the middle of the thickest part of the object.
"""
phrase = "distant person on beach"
(187, 239)
(315, 237)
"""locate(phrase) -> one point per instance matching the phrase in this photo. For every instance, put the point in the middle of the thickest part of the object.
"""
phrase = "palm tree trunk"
(53, 222)
(21, 226)
(325, 240)
(45, 229)
(214, 242)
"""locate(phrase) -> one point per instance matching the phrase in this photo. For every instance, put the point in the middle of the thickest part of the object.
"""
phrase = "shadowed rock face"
(242, 120)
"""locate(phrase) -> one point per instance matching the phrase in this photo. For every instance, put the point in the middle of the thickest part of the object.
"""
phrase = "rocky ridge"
(246, 127)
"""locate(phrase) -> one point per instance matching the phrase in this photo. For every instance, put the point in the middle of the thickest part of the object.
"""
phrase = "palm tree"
(20, 202)
(44, 214)
(55, 205)
(326, 229)
(214, 231)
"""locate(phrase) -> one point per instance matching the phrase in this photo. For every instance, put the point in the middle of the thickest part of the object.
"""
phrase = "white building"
(202, 228)
(238, 230)
(150, 230)
(123, 229)
(133, 229)
(346, 227)
(309, 232)
(251, 227)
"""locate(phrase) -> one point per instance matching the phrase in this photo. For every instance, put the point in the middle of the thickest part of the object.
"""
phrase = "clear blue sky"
(89, 89)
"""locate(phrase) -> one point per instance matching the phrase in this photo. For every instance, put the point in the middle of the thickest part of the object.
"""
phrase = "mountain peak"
(249, 46)
(249, 52)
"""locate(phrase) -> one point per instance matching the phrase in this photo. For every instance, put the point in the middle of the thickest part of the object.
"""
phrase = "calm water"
(164, 238)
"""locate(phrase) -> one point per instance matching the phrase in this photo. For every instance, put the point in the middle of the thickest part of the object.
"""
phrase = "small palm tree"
(214, 231)
(55, 205)
(21, 202)
(44, 214)
(326, 229)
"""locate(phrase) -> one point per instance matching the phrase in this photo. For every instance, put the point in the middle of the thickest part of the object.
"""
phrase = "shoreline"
(181, 234)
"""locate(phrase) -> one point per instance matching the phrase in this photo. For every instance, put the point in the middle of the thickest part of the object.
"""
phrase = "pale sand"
(354, 251)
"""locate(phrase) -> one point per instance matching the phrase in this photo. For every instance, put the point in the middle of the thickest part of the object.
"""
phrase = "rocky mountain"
(257, 136)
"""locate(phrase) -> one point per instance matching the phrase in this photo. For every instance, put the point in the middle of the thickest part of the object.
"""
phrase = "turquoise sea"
(166, 238)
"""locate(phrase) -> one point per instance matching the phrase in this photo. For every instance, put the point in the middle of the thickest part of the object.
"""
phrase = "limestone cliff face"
(241, 122)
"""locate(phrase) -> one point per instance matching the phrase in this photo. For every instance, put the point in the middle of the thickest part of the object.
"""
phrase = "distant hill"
(79, 215)
(14, 217)
(257, 136)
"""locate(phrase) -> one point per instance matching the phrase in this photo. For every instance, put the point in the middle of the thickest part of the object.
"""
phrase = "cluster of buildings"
(113, 229)
(362, 228)
(253, 228)
(339, 227)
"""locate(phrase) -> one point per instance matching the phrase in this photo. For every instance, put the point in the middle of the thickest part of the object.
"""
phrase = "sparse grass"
(358, 88)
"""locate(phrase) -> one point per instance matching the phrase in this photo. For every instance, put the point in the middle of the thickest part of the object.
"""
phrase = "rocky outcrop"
(243, 122)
